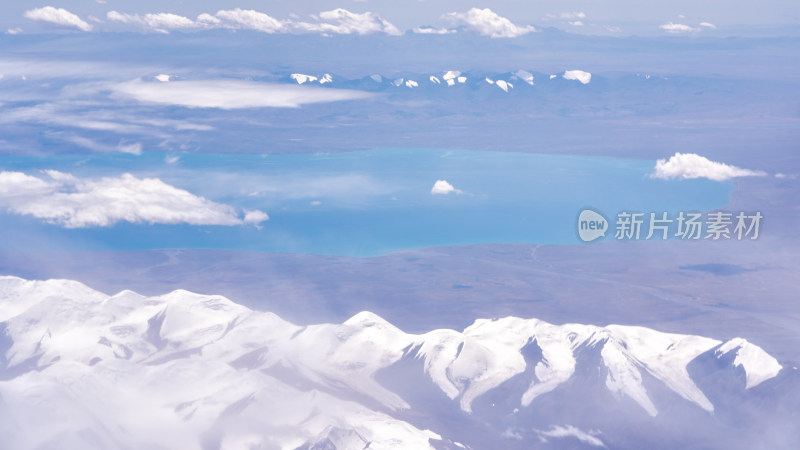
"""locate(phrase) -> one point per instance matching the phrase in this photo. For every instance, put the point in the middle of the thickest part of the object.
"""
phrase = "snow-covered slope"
(81, 369)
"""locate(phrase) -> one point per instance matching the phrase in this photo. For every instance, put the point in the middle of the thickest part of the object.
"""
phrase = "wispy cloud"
(691, 165)
(73, 202)
(487, 23)
(231, 94)
(133, 148)
(558, 431)
(432, 30)
(573, 15)
(56, 114)
(58, 16)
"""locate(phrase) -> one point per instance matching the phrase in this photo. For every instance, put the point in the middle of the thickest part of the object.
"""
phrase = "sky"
(622, 17)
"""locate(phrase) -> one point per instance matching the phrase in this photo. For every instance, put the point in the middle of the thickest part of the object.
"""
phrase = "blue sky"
(621, 17)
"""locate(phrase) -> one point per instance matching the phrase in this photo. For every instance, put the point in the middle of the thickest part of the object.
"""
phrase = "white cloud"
(708, 25)
(691, 165)
(576, 23)
(442, 187)
(248, 19)
(676, 28)
(73, 202)
(488, 23)
(14, 31)
(161, 22)
(231, 94)
(13, 183)
(58, 16)
(167, 21)
(115, 16)
(570, 431)
(431, 30)
(578, 75)
(346, 22)
(255, 218)
(208, 20)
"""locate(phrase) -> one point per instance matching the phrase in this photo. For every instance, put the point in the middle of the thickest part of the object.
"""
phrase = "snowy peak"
(300, 78)
(664, 356)
(758, 365)
(196, 359)
(578, 75)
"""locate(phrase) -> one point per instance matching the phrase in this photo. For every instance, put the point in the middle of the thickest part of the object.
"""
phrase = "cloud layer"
(231, 94)
(484, 22)
(487, 23)
(74, 202)
(691, 165)
(337, 21)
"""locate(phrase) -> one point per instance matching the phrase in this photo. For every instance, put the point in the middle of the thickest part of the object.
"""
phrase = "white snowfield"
(578, 75)
(88, 370)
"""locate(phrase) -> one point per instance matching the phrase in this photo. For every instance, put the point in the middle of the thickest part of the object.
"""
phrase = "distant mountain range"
(81, 369)
(451, 78)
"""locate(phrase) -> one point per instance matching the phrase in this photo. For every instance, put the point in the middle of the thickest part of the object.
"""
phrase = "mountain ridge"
(203, 361)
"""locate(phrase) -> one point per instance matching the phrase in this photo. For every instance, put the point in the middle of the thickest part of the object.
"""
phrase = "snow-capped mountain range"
(409, 82)
(450, 78)
(82, 369)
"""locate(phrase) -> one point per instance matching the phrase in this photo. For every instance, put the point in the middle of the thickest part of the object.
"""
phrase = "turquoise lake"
(370, 202)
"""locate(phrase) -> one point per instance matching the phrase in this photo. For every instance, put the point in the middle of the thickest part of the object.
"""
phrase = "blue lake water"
(371, 202)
